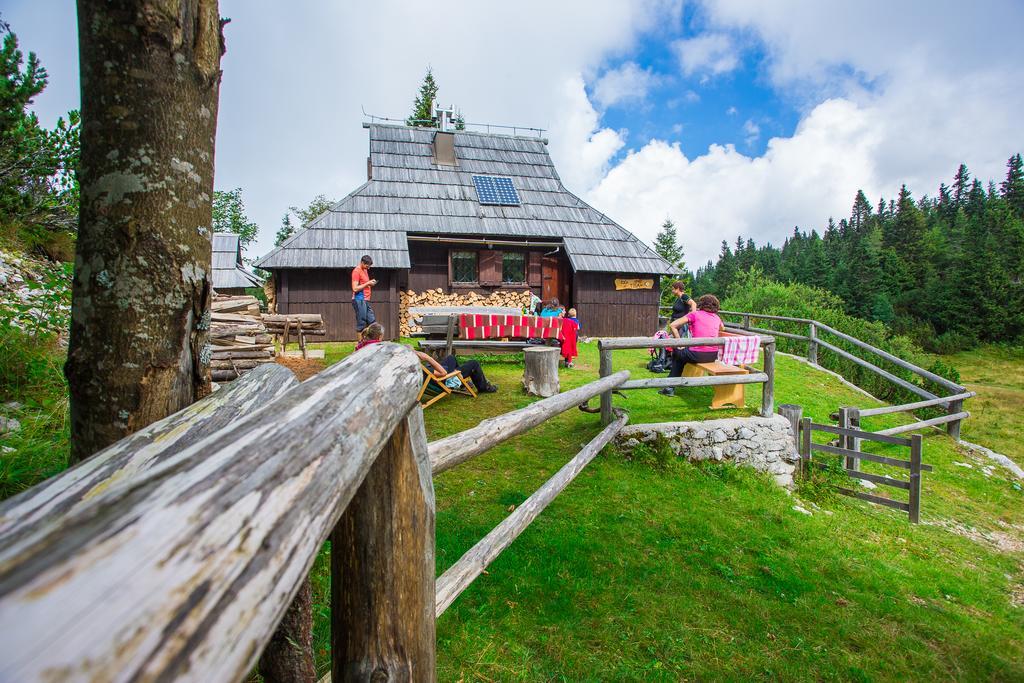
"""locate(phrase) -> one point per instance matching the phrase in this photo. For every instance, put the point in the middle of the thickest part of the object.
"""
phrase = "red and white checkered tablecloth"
(739, 350)
(483, 326)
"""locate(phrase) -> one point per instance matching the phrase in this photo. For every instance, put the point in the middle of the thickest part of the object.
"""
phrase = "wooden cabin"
(466, 212)
(229, 273)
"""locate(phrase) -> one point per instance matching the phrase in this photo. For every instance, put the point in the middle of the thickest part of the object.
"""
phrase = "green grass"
(644, 572)
(31, 374)
(997, 374)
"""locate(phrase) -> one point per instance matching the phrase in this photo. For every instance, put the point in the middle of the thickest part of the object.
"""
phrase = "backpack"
(660, 360)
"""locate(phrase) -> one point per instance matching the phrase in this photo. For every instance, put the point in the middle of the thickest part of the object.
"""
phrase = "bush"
(754, 293)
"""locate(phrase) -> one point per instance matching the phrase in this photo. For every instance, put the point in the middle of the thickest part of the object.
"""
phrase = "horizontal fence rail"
(115, 466)
(953, 404)
(183, 571)
(450, 451)
(766, 379)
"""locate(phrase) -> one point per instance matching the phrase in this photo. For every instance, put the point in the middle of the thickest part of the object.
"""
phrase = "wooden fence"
(850, 459)
(766, 378)
(952, 403)
(175, 553)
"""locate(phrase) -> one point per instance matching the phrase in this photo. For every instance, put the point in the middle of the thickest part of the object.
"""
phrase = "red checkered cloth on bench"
(480, 326)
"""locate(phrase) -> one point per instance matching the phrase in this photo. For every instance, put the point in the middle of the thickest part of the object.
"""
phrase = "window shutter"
(490, 267)
(533, 269)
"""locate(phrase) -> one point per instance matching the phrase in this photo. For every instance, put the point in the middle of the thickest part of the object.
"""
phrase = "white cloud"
(710, 54)
(723, 193)
(752, 132)
(732, 111)
(580, 147)
(628, 83)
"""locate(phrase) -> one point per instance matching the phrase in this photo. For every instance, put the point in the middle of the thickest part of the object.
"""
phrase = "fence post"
(382, 567)
(746, 321)
(812, 343)
(953, 428)
(794, 414)
(805, 443)
(915, 478)
(852, 442)
(843, 418)
(605, 369)
(768, 388)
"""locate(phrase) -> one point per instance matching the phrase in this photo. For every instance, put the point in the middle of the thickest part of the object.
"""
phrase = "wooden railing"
(952, 403)
(175, 553)
(766, 378)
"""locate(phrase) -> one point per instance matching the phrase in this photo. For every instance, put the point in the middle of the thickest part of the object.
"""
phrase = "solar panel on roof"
(496, 190)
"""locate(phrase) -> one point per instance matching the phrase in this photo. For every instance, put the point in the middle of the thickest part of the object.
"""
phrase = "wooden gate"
(850, 461)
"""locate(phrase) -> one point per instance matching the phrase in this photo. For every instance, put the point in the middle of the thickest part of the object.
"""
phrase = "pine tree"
(666, 244)
(861, 213)
(961, 185)
(1012, 189)
(423, 106)
(285, 231)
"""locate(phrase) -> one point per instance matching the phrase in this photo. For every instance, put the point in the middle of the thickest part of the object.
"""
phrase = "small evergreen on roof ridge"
(422, 115)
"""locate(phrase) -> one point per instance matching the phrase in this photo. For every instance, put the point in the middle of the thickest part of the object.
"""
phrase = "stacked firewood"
(238, 338)
(437, 297)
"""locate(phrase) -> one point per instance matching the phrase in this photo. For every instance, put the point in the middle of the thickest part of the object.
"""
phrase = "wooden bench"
(725, 394)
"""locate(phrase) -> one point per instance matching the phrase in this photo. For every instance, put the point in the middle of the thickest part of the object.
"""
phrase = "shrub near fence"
(800, 301)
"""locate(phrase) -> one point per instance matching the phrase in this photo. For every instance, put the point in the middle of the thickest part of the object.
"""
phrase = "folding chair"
(434, 388)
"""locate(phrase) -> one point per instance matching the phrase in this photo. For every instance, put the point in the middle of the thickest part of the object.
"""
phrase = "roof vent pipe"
(444, 116)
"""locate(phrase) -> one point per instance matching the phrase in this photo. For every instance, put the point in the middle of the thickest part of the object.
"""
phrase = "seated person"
(372, 334)
(470, 369)
(551, 309)
(704, 322)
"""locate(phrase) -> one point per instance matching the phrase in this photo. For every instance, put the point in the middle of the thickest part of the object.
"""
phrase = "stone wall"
(764, 443)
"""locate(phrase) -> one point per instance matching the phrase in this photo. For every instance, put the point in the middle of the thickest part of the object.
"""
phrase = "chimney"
(444, 148)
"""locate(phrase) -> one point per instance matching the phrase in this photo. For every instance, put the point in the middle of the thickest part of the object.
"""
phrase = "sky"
(729, 117)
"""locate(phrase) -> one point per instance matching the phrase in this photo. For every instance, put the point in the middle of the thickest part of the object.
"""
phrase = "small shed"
(464, 211)
(229, 273)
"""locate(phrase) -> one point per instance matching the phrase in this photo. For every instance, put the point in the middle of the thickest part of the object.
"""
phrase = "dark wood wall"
(327, 291)
(430, 269)
(605, 312)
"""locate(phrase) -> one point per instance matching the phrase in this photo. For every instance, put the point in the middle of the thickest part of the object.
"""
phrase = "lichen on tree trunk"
(150, 72)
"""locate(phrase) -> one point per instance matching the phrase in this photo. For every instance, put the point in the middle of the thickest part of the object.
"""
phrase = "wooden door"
(555, 280)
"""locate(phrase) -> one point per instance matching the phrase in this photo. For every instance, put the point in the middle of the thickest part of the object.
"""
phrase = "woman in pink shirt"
(704, 322)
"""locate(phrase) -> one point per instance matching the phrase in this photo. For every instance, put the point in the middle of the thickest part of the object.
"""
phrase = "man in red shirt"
(361, 286)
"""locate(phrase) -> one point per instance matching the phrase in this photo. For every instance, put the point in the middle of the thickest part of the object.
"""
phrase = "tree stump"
(540, 371)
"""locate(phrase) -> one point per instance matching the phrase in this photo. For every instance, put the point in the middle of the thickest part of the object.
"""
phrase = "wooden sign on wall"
(633, 283)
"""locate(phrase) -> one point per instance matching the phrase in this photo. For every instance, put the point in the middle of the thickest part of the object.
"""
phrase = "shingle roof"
(410, 194)
(228, 271)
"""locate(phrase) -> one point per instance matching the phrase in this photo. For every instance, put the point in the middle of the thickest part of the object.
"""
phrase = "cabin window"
(513, 267)
(464, 267)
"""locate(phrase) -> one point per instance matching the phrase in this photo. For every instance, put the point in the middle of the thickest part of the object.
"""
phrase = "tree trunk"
(150, 73)
(288, 657)
(540, 371)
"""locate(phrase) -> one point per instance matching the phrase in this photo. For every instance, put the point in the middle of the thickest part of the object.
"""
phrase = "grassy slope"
(997, 374)
(637, 572)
